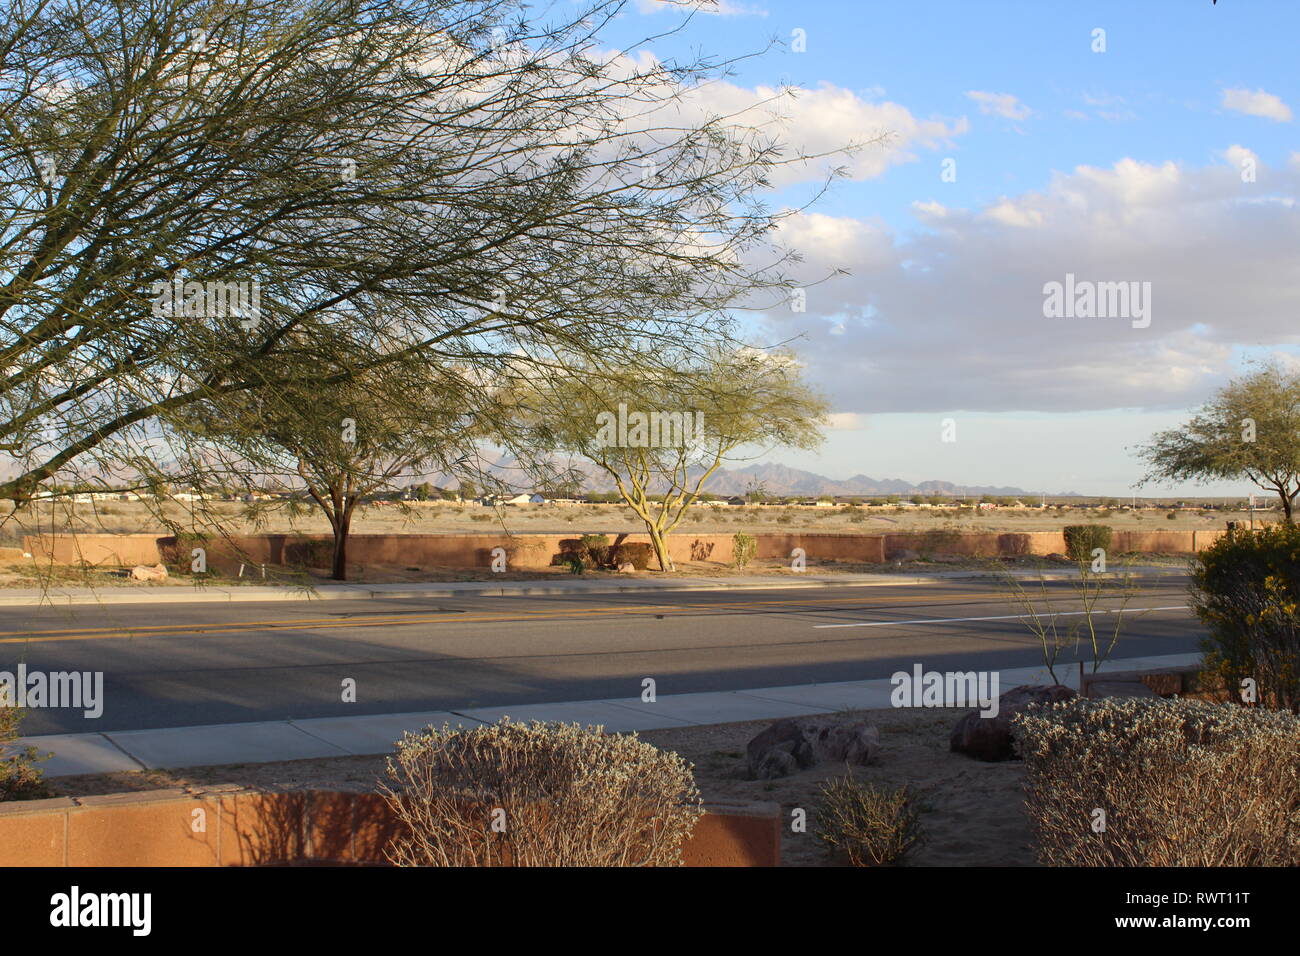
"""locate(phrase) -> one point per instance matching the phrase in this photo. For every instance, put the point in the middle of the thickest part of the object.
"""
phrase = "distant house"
(519, 499)
(737, 500)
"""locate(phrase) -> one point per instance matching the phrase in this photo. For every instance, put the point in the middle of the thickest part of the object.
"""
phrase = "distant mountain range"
(786, 481)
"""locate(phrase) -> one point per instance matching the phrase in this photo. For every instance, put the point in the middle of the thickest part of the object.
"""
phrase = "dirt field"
(972, 813)
(431, 517)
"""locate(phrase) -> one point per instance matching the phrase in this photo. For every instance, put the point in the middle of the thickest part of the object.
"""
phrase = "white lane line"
(1002, 617)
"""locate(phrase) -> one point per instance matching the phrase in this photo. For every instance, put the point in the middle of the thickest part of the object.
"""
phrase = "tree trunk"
(341, 528)
(1286, 507)
(661, 548)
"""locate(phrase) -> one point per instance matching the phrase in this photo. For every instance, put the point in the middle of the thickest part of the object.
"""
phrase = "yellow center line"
(72, 633)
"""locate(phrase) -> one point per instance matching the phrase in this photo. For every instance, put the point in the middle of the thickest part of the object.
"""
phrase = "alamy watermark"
(209, 300)
(1085, 299)
(950, 689)
(648, 429)
(133, 911)
(77, 690)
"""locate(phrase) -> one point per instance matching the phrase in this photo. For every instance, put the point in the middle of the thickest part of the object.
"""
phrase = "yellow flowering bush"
(1246, 590)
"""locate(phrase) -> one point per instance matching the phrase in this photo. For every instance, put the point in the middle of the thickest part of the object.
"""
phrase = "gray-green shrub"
(538, 794)
(1181, 783)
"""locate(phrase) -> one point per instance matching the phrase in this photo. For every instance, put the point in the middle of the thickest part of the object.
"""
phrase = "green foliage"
(743, 548)
(594, 549)
(871, 827)
(1250, 429)
(20, 778)
(1081, 539)
(1180, 783)
(1246, 590)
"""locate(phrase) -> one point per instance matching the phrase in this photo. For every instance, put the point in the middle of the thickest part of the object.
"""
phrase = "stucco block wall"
(232, 826)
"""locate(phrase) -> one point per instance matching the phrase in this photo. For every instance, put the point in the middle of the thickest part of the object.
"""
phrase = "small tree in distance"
(342, 443)
(743, 397)
(1249, 429)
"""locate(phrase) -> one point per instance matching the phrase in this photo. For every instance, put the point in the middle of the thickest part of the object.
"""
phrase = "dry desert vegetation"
(972, 813)
(453, 518)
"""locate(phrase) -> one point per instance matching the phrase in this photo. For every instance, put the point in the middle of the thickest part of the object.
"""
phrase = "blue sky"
(1129, 165)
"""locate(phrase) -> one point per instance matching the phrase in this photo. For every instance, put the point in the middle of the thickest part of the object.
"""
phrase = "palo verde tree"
(343, 443)
(1250, 429)
(661, 427)
(204, 198)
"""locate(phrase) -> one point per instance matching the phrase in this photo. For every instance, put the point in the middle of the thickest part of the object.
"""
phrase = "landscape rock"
(796, 743)
(144, 573)
(989, 738)
(627, 567)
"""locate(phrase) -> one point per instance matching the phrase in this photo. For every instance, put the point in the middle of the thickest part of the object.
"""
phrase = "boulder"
(627, 567)
(796, 743)
(143, 573)
(989, 738)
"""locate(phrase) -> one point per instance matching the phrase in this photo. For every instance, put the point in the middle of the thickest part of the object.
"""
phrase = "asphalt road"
(186, 664)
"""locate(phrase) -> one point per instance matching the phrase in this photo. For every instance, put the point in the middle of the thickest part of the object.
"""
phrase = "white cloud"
(720, 8)
(999, 104)
(845, 421)
(952, 318)
(826, 118)
(1257, 103)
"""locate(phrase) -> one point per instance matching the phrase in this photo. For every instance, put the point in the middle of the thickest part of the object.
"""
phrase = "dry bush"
(20, 778)
(1181, 783)
(558, 794)
(870, 827)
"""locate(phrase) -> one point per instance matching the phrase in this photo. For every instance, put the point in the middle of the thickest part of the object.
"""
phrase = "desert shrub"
(635, 553)
(20, 778)
(870, 827)
(558, 794)
(1081, 539)
(595, 550)
(1180, 783)
(1246, 590)
(1172, 516)
(743, 548)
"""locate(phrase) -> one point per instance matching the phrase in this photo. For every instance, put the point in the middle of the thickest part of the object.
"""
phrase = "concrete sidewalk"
(146, 594)
(268, 741)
